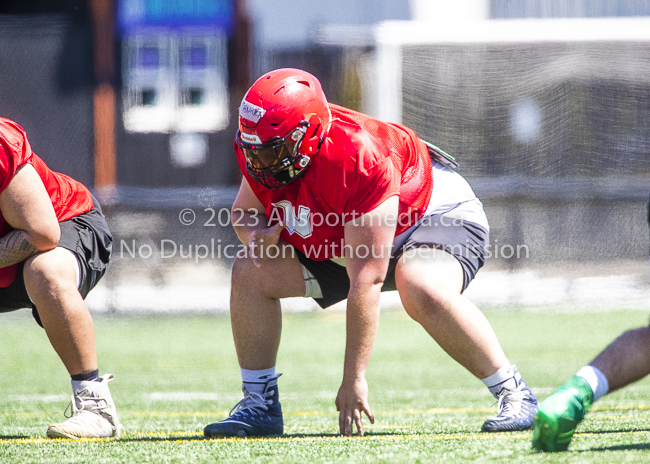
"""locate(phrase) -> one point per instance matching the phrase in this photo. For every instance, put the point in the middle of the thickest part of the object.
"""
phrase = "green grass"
(174, 375)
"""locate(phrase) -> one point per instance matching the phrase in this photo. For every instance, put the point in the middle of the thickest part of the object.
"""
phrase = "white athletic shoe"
(92, 413)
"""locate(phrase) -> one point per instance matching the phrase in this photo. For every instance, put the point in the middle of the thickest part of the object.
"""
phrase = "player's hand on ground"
(350, 402)
(261, 239)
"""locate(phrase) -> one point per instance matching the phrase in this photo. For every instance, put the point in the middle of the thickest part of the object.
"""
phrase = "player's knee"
(422, 303)
(272, 280)
(247, 276)
(49, 272)
(241, 270)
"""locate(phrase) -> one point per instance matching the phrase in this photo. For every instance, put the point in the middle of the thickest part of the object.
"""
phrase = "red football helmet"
(282, 124)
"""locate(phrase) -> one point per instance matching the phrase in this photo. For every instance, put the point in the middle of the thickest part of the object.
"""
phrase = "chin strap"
(326, 131)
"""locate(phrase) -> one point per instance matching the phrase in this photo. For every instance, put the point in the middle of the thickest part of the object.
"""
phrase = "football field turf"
(174, 375)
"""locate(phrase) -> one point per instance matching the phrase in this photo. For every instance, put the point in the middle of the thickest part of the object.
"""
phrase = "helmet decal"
(250, 138)
(251, 112)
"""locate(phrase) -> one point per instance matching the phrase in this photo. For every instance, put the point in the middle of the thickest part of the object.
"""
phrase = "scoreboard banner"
(135, 15)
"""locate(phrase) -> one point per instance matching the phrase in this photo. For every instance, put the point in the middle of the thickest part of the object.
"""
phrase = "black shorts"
(466, 241)
(87, 236)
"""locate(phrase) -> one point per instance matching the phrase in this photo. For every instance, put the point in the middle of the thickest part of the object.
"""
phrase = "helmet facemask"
(275, 163)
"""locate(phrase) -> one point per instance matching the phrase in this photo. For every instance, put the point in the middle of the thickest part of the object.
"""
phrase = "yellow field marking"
(464, 436)
(55, 440)
(620, 407)
(192, 436)
(623, 432)
(174, 413)
(598, 418)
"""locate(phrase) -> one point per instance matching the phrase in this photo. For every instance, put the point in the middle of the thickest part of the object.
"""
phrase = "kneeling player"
(360, 203)
(626, 360)
(54, 248)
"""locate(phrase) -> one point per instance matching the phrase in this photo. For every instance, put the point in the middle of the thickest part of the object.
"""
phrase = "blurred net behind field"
(549, 120)
(561, 111)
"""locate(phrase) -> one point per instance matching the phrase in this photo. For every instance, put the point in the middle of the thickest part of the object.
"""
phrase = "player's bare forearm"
(362, 320)
(367, 276)
(371, 232)
(16, 247)
(361, 328)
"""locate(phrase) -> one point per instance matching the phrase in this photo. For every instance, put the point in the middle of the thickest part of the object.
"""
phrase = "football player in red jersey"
(54, 248)
(335, 204)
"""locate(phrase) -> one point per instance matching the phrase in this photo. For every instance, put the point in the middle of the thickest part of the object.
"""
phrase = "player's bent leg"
(50, 279)
(51, 283)
(430, 284)
(257, 324)
(255, 305)
(626, 359)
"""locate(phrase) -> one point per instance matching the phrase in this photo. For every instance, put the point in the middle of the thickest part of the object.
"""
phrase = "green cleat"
(560, 414)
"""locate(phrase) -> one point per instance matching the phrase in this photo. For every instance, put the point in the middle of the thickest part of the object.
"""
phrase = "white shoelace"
(513, 396)
(88, 403)
(252, 400)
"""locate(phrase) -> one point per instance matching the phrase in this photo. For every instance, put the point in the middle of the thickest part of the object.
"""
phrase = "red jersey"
(69, 197)
(362, 163)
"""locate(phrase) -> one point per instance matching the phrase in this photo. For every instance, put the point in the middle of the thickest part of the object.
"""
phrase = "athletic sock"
(507, 377)
(254, 381)
(596, 380)
(90, 376)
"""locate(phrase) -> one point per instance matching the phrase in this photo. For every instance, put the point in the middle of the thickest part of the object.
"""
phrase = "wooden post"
(104, 95)
(242, 49)
(105, 156)
(241, 62)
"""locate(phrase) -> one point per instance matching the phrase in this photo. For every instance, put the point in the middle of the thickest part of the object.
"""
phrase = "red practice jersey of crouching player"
(69, 197)
(361, 163)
